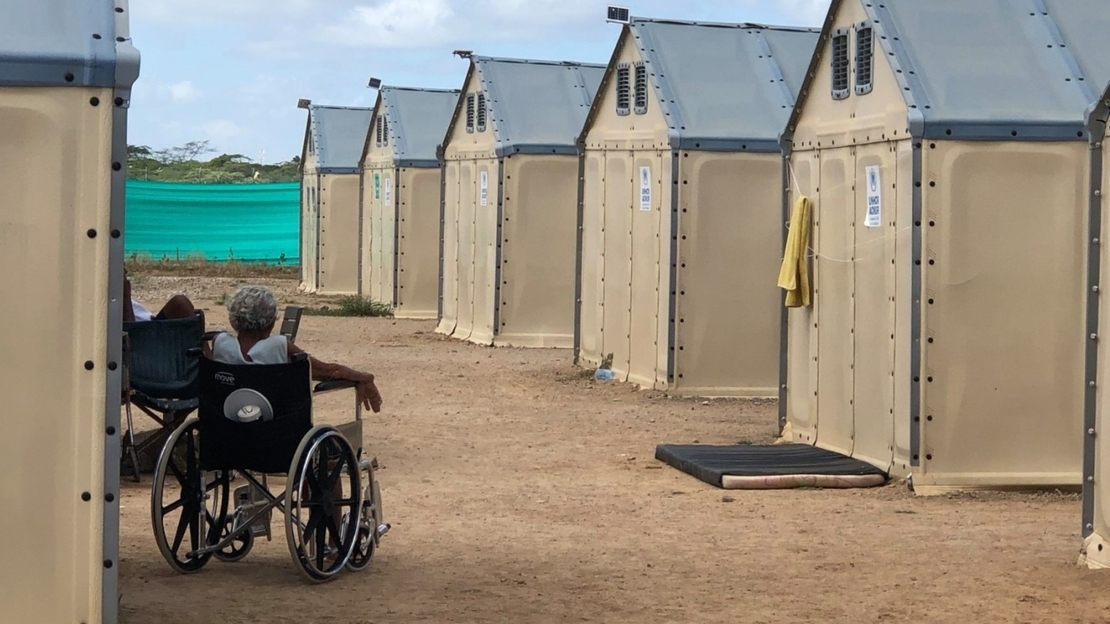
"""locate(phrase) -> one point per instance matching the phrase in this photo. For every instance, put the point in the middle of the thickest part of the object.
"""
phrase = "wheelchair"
(254, 422)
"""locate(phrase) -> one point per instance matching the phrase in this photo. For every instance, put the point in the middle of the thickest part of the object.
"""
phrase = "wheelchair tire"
(189, 507)
(319, 542)
(239, 548)
(368, 522)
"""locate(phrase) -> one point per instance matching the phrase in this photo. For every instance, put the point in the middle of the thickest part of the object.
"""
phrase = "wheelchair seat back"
(253, 416)
(160, 365)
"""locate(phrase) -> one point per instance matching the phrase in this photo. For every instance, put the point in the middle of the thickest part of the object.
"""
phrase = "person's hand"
(368, 394)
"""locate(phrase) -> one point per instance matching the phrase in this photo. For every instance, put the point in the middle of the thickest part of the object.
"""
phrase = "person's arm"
(366, 390)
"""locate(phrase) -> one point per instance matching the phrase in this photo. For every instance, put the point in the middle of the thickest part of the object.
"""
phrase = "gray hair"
(252, 309)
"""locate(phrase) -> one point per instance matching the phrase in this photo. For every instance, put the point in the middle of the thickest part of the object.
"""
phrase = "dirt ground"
(521, 490)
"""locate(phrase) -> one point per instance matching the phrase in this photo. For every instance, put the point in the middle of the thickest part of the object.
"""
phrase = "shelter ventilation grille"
(481, 112)
(378, 131)
(470, 112)
(865, 59)
(624, 97)
(385, 130)
(641, 90)
(840, 67)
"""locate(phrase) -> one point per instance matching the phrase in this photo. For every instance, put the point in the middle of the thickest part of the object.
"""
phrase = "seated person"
(177, 307)
(252, 312)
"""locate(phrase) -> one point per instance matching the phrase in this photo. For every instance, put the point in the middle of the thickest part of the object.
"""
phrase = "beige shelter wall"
(1098, 550)
(379, 186)
(339, 238)
(730, 250)
(418, 236)
(451, 273)
(592, 295)
(802, 323)
(616, 321)
(539, 241)
(54, 187)
(1003, 312)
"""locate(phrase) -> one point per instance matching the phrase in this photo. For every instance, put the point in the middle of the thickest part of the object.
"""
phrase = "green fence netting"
(216, 222)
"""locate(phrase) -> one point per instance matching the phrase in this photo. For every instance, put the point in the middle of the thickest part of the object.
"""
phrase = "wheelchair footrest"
(383, 529)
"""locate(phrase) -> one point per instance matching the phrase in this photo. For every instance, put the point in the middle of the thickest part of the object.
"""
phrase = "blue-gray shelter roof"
(416, 119)
(990, 69)
(338, 135)
(534, 106)
(80, 43)
(721, 86)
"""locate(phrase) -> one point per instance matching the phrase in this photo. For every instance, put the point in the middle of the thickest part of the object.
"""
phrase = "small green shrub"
(353, 305)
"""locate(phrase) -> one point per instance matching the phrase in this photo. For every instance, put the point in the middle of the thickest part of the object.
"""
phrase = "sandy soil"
(522, 491)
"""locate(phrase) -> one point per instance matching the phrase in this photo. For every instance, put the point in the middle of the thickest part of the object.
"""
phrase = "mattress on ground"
(780, 466)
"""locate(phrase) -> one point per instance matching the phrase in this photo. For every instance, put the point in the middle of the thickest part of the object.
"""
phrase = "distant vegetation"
(182, 164)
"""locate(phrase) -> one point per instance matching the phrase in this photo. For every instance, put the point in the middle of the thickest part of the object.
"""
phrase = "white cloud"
(221, 131)
(184, 91)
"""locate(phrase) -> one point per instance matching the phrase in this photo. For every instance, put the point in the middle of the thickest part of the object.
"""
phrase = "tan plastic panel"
(593, 260)
(616, 324)
(485, 256)
(835, 287)
(730, 251)
(612, 131)
(1098, 548)
(877, 116)
(373, 232)
(663, 311)
(387, 225)
(310, 223)
(54, 187)
(452, 260)
(875, 312)
(903, 308)
(419, 243)
(539, 235)
(468, 175)
(649, 256)
(1005, 225)
(339, 254)
(801, 376)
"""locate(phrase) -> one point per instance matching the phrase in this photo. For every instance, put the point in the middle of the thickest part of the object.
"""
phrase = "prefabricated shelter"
(680, 205)
(1096, 412)
(510, 185)
(66, 71)
(943, 146)
(400, 199)
(333, 143)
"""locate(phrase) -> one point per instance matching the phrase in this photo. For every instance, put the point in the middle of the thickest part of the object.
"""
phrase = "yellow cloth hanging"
(794, 274)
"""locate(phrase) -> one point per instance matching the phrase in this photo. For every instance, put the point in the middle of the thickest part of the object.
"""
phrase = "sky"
(231, 71)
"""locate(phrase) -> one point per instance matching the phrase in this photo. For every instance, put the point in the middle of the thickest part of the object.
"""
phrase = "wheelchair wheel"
(323, 486)
(239, 547)
(369, 521)
(188, 507)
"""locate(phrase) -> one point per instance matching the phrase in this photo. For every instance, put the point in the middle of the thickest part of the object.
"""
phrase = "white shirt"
(141, 313)
(272, 350)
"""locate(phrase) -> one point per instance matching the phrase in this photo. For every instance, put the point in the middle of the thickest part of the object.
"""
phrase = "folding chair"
(160, 378)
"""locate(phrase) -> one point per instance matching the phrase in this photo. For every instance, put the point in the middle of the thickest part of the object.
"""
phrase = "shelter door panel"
(451, 276)
(592, 261)
(801, 382)
(834, 293)
(485, 251)
(903, 304)
(647, 264)
(875, 285)
(389, 235)
(617, 229)
(468, 186)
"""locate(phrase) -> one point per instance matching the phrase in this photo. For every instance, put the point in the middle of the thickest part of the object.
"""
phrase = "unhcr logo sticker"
(874, 216)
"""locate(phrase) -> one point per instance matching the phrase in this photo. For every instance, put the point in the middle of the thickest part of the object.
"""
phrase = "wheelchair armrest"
(333, 385)
(209, 336)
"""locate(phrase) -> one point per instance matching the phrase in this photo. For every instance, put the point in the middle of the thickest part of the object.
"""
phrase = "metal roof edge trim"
(1096, 116)
(417, 163)
(416, 89)
(758, 146)
(499, 59)
(337, 170)
(1004, 131)
(536, 150)
(128, 57)
(739, 25)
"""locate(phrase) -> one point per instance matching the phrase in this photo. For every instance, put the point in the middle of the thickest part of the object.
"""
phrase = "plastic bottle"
(604, 374)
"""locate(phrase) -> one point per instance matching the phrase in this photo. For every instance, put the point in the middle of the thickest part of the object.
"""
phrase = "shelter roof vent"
(470, 112)
(840, 67)
(865, 58)
(481, 112)
(624, 97)
(641, 89)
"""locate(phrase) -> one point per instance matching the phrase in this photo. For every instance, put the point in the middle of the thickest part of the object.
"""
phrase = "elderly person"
(252, 311)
